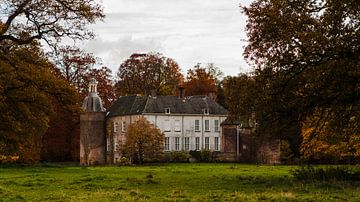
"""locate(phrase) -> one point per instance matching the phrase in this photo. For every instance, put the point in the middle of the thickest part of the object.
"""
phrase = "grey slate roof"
(134, 104)
(92, 103)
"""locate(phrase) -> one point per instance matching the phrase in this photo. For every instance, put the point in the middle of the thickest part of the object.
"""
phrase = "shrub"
(309, 173)
(205, 155)
(286, 154)
(123, 161)
(176, 157)
(195, 154)
(8, 159)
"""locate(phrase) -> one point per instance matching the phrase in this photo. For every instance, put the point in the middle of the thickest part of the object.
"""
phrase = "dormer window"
(206, 111)
(167, 110)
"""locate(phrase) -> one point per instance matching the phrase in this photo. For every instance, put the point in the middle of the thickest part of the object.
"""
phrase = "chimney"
(212, 95)
(147, 91)
(181, 92)
(153, 93)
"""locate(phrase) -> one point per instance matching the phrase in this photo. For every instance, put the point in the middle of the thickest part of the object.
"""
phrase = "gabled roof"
(127, 105)
(135, 104)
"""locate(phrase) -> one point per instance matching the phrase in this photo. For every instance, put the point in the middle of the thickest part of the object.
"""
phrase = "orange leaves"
(144, 142)
(200, 81)
(152, 70)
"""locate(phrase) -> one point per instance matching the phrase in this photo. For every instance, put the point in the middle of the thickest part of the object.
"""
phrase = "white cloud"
(189, 31)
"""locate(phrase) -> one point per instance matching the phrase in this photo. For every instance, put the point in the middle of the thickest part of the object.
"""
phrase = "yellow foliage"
(324, 141)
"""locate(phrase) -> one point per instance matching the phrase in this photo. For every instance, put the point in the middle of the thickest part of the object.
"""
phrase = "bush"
(205, 155)
(309, 173)
(123, 161)
(195, 154)
(176, 157)
(8, 159)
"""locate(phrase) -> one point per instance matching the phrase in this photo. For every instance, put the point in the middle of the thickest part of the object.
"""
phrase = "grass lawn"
(169, 182)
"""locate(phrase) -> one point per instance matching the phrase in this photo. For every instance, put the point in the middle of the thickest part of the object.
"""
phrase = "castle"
(189, 123)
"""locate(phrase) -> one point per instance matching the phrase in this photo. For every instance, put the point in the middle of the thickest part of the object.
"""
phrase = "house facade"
(189, 123)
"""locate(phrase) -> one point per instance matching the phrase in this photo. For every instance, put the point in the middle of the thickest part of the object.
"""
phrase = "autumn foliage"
(199, 81)
(144, 142)
(150, 71)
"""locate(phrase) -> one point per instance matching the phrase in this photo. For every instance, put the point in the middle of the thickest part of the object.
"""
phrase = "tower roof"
(92, 102)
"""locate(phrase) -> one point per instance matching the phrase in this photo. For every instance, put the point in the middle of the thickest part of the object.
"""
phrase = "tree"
(326, 142)
(144, 142)
(105, 86)
(77, 67)
(241, 95)
(148, 71)
(74, 64)
(306, 55)
(27, 20)
(28, 85)
(200, 81)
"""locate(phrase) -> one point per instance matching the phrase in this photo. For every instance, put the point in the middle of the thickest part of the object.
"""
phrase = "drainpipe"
(237, 141)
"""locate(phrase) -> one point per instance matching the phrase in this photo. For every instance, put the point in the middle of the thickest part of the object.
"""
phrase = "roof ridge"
(133, 103)
(146, 104)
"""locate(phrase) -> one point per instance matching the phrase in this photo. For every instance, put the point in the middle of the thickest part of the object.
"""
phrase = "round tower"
(92, 128)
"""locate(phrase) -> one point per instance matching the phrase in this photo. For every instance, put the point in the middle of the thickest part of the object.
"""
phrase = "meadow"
(168, 182)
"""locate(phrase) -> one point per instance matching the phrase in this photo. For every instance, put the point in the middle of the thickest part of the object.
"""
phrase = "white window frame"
(177, 143)
(177, 126)
(216, 142)
(216, 126)
(197, 143)
(207, 143)
(187, 143)
(107, 144)
(207, 125)
(116, 125)
(206, 111)
(167, 126)
(197, 125)
(167, 144)
(167, 110)
(116, 141)
(123, 126)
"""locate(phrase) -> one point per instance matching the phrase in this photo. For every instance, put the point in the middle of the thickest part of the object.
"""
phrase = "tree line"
(303, 89)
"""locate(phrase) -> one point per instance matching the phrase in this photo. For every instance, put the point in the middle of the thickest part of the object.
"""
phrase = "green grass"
(169, 182)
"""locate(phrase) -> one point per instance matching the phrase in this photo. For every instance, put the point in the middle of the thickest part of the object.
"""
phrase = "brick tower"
(92, 128)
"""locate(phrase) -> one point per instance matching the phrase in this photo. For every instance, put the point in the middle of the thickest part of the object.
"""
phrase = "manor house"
(189, 123)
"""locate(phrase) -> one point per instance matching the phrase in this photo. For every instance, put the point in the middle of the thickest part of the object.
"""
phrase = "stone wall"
(92, 138)
(251, 150)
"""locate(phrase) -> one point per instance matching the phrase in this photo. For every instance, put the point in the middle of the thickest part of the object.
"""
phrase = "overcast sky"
(189, 31)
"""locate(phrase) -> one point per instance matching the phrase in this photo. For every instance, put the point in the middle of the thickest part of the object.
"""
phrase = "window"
(216, 143)
(167, 110)
(107, 144)
(207, 126)
(116, 127)
(123, 138)
(177, 126)
(167, 126)
(167, 143)
(216, 125)
(187, 143)
(207, 143)
(115, 141)
(206, 111)
(197, 143)
(177, 143)
(123, 128)
(197, 125)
